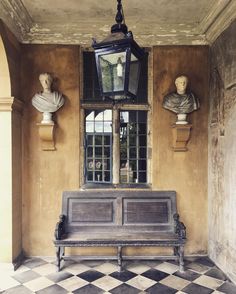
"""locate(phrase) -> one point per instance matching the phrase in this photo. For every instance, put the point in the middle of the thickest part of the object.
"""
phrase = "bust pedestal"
(46, 134)
(181, 135)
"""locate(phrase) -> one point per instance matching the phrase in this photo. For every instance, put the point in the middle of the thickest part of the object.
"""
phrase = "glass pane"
(89, 127)
(90, 176)
(107, 127)
(98, 151)
(123, 151)
(133, 164)
(107, 151)
(132, 153)
(90, 140)
(98, 176)
(142, 141)
(142, 129)
(142, 152)
(106, 164)
(107, 177)
(98, 140)
(134, 75)
(98, 164)
(106, 140)
(107, 115)
(142, 177)
(89, 115)
(133, 116)
(90, 164)
(98, 115)
(142, 117)
(142, 165)
(132, 128)
(89, 151)
(113, 71)
(132, 140)
(98, 127)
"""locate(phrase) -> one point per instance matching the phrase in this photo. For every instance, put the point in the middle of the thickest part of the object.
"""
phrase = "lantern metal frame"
(120, 40)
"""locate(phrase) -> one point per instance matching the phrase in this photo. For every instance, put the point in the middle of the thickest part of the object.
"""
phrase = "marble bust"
(47, 101)
(181, 102)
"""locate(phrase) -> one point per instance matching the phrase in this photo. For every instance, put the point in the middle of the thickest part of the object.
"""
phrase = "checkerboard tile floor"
(39, 275)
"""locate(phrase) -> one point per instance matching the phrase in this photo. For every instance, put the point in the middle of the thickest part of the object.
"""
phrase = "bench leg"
(181, 259)
(119, 257)
(58, 254)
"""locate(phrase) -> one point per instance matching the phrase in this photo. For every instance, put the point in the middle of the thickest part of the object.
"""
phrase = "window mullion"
(116, 146)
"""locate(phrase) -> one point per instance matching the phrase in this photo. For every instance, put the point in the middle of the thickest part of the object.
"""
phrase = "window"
(115, 136)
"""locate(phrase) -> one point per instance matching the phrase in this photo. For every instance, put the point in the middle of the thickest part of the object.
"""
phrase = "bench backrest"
(119, 210)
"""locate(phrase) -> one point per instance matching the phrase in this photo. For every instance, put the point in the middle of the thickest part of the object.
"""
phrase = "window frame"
(147, 106)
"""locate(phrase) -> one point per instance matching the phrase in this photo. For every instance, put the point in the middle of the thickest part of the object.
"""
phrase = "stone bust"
(47, 101)
(181, 102)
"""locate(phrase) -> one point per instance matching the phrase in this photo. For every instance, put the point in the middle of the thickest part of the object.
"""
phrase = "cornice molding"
(18, 19)
(226, 17)
(211, 17)
(16, 16)
(11, 104)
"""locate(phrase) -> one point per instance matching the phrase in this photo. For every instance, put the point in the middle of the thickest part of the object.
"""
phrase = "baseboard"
(12, 266)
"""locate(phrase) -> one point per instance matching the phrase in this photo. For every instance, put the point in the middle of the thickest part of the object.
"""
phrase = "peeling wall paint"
(222, 153)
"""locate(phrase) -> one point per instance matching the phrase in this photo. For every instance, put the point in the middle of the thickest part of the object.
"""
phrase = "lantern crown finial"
(120, 25)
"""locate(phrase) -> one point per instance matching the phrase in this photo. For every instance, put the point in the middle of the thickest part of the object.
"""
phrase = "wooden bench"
(120, 219)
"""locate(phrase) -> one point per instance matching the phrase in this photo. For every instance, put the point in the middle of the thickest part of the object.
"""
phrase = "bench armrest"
(180, 228)
(59, 230)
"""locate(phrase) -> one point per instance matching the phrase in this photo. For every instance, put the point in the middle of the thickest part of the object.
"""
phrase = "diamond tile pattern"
(95, 277)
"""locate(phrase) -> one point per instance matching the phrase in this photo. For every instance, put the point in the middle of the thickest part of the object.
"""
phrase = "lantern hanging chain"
(120, 13)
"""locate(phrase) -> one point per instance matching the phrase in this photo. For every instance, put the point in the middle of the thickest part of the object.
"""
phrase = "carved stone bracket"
(181, 135)
(46, 134)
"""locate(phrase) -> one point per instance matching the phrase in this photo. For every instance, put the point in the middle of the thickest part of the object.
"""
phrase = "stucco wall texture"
(48, 173)
(222, 153)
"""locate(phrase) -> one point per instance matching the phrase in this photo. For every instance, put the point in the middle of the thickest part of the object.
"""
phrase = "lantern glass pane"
(134, 74)
(113, 71)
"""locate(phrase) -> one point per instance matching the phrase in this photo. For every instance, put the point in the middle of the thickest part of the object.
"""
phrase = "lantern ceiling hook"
(120, 25)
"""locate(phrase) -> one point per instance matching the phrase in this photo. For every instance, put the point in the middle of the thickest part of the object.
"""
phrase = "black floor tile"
(26, 276)
(216, 273)
(123, 276)
(91, 275)
(54, 289)
(155, 275)
(124, 289)
(18, 290)
(88, 289)
(197, 289)
(59, 276)
(162, 289)
(228, 288)
(187, 275)
(205, 261)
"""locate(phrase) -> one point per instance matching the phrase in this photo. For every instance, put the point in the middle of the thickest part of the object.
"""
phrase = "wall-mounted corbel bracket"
(181, 135)
(46, 134)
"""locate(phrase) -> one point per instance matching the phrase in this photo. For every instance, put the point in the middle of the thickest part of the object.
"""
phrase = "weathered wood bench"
(120, 219)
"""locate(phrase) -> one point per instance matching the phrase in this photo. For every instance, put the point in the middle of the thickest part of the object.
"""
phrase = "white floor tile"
(73, 283)
(106, 283)
(141, 282)
(38, 284)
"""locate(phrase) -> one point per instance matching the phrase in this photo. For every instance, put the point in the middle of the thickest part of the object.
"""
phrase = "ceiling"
(153, 22)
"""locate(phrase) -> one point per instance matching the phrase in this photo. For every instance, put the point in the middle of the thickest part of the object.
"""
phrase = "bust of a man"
(181, 102)
(47, 101)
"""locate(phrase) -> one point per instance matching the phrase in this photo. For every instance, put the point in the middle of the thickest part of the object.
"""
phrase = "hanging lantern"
(118, 61)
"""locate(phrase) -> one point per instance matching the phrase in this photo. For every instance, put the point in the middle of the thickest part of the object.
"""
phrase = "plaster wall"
(184, 172)
(10, 145)
(48, 173)
(222, 150)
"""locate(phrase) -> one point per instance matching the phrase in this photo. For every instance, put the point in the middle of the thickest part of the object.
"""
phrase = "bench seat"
(120, 219)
